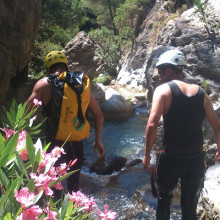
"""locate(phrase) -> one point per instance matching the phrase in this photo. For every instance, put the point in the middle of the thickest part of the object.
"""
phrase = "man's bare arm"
(153, 121)
(214, 122)
(98, 124)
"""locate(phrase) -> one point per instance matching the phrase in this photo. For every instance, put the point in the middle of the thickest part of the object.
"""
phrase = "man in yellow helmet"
(66, 110)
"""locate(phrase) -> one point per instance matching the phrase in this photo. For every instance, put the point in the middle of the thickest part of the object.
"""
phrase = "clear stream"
(127, 192)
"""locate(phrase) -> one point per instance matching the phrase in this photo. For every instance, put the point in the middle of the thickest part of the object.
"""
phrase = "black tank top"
(183, 122)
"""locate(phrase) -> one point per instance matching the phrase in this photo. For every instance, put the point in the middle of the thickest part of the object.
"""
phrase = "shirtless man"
(56, 63)
(183, 107)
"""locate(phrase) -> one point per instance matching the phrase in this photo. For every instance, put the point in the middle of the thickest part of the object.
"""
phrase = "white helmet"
(174, 57)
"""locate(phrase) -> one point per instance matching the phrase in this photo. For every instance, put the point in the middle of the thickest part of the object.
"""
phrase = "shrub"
(28, 175)
(107, 46)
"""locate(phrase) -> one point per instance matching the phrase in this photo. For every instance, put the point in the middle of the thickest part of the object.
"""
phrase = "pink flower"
(37, 102)
(56, 152)
(21, 145)
(24, 197)
(8, 132)
(31, 213)
(24, 155)
(107, 215)
(42, 183)
(46, 160)
(51, 215)
(80, 200)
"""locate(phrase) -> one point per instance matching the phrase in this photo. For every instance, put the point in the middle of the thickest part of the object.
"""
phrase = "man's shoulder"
(162, 89)
(43, 83)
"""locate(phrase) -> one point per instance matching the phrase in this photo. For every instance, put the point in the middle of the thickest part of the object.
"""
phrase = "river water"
(127, 192)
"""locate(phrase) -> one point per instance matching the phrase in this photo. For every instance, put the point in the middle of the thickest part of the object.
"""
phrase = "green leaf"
(10, 146)
(4, 178)
(69, 210)
(2, 143)
(21, 165)
(38, 196)
(15, 184)
(10, 120)
(46, 147)
(37, 160)
(30, 149)
(31, 185)
(5, 196)
(7, 216)
(62, 178)
(4, 160)
(64, 206)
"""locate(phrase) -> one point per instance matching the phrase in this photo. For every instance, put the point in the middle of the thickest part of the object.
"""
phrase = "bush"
(105, 79)
(28, 175)
(107, 46)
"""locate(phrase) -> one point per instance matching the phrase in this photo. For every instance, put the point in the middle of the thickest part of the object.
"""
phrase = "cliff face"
(19, 22)
(196, 35)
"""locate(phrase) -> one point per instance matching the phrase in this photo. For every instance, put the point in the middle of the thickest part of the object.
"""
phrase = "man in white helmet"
(183, 107)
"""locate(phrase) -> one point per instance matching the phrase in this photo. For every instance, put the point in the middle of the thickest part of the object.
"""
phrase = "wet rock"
(209, 202)
(108, 164)
(134, 162)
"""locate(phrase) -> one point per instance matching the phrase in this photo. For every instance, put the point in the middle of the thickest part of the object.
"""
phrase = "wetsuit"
(183, 155)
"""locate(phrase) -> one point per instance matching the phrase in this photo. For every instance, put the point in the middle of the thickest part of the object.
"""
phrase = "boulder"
(209, 201)
(82, 56)
(116, 106)
(107, 164)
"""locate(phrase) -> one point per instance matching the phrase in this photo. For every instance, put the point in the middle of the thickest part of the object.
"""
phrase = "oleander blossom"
(37, 102)
(107, 215)
(51, 215)
(22, 145)
(8, 133)
(42, 183)
(24, 197)
(82, 202)
(30, 214)
(21, 142)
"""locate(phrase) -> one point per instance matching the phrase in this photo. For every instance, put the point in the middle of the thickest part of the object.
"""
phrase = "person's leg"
(76, 152)
(73, 150)
(166, 182)
(166, 187)
(191, 186)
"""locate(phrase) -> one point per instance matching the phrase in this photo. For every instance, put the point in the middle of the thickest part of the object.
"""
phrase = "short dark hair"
(176, 69)
(55, 65)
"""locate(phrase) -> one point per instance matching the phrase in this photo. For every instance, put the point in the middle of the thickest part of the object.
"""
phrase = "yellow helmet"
(54, 57)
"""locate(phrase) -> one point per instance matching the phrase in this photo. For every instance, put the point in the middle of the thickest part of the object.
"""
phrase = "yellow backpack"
(70, 97)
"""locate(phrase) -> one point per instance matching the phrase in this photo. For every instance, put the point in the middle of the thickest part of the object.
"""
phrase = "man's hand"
(100, 148)
(146, 163)
(217, 158)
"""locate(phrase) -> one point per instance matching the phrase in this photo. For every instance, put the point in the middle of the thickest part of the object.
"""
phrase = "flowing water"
(127, 192)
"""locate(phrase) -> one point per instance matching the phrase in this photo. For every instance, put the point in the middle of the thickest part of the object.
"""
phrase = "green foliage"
(200, 8)
(104, 11)
(105, 79)
(18, 118)
(124, 19)
(61, 21)
(107, 46)
(20, 191)
(204, 86)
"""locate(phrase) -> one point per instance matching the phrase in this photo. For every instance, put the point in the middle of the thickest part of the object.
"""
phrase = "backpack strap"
(75, 81)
